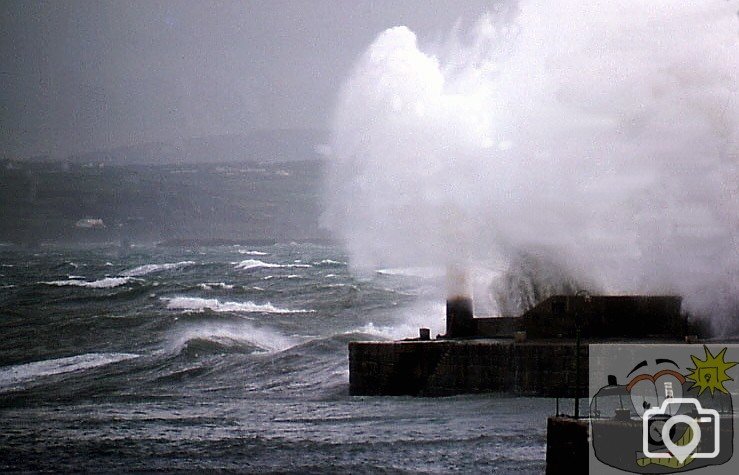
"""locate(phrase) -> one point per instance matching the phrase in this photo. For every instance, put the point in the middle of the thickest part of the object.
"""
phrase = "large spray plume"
(602, 137)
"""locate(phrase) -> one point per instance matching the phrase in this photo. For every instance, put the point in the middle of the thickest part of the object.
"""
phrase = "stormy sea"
(226, 358)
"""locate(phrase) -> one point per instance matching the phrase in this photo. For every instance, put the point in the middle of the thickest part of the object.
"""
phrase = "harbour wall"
(448, 367)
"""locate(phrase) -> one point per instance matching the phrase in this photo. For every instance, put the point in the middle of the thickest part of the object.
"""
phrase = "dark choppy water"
(225, 358)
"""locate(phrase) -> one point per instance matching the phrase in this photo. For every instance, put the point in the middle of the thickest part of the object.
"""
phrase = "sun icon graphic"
(711, 372)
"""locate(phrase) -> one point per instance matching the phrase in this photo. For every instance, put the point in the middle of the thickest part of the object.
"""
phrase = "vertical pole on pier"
(580, 314)
(577, 372)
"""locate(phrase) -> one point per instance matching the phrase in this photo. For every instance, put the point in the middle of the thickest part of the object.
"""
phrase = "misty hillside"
(61, 202)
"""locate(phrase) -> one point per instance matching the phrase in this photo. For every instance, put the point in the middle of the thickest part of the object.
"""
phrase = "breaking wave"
(22, 373)
(106, 283)
(245, 337)
(423, 272)
(197, 304)
(252, 253)
(256, 263)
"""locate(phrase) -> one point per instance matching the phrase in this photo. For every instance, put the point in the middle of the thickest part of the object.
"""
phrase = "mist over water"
(602, 139)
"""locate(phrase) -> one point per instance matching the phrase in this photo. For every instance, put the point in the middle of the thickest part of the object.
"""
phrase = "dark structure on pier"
(601, 317)
(534, 354)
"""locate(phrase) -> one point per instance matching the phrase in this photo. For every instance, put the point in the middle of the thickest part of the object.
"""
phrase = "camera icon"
(659, 427)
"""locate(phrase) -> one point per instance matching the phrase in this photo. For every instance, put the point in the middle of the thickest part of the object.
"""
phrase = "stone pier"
(530, 355)
(447, 367)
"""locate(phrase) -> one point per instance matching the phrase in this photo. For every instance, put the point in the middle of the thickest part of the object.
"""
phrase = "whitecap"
(13, 375)
(197, 304)
(252, 253)
(330, 262)
(256, 263)
(149, 268)
(106, 283)
(337, 286)
(253, 263)
(289, 276)
(214, 285)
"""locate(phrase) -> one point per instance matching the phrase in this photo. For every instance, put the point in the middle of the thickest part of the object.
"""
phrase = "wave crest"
(150, 268)
(22, 373)
(329, 262)
(231, 338)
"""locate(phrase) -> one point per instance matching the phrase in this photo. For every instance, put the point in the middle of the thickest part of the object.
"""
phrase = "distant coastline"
(195, 242)
(233, 203)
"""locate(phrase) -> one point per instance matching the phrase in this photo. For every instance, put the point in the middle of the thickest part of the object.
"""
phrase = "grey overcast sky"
(85, 75)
